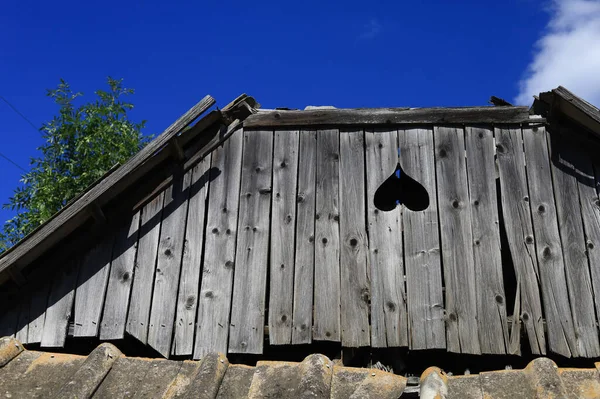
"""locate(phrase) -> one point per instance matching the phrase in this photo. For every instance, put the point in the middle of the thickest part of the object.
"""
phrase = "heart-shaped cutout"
(401, 189)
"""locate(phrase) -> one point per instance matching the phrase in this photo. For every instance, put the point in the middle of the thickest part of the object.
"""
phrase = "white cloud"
(568, 53)
(371, 29)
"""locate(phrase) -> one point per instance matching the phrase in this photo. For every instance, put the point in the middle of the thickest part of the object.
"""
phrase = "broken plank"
(570, 224)
(168, 264)
(457, 241)
(304, 257)
(354, 282)
(60, 305)
(187, 298)
(121, 277)
(283, 223)
(491, 301)
(248, 306)
(37, 311)
(143, 281)
(327, 238)
(389, 316)
(91, 288)
(214, 304)
(519, 232)
(425, 300)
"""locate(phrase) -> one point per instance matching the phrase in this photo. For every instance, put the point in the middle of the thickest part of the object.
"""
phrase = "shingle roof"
(107, 373)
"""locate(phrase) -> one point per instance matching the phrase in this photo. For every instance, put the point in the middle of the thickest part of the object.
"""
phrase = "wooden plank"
(327, 237)
(559, 318)
(250, 280)
(422, 256)
(37, 311)
(187, 298)
(60, 305)
(122, 268)
(457, 241)
(304, 270)
(75, 213)
(489, 282)
(9, 313)
(91, 288)
(389, 116)
(389, 317)
(143, 282)
(23, 319)
(570, 224)
(214, 304)
(283, 223)
(519, 231)
(168, 264)
(354, 281)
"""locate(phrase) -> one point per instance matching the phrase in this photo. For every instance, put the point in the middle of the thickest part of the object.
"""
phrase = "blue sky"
(347, 54)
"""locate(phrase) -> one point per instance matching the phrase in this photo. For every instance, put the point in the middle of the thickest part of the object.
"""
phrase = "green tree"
(81, 143)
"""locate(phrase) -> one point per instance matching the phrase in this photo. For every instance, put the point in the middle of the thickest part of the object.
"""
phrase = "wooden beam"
(390, 116)
(70, 217)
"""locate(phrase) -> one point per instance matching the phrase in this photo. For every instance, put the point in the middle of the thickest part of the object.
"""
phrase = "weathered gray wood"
(23, 319)
(122, 269)
(60, 305)
(327, 238)
(250, 279)
(491, 301)
(214, 304)
(91, 288)
(388, 116)
(519, 232)
(354, 281)
(76, 212)
(37, 311)
(304, 270)
(389, 318)
(189, 283)
(559, 318)
(570, 224)
(422, 256)
(283, 224)
(168, 264)
(590, 210)
(457, 241)
(143, 282)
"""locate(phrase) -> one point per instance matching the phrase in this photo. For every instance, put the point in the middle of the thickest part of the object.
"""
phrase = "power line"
(19, 113)
(13, 162)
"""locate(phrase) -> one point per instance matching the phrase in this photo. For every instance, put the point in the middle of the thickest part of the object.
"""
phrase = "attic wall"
(293, 235)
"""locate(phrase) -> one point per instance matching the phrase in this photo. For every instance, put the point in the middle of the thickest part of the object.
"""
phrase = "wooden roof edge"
(89, 203)
(570, 105)
(388, 116)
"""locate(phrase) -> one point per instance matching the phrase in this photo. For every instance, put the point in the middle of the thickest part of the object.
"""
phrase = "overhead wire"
(27, 120)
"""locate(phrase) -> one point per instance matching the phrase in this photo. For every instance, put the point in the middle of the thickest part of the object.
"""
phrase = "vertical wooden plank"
(60, 305)
(283, 223)
(389, 318)
(37, 311)
(91, 288)
(304, 270)
(519, 231)
(168, 264)
(143, 282)
(187, 298)
(250, 279)
(119, 283)
(457, 240)
(559, 319)
(327, 237)
(214, 305)
(491, 301)
(9, 313)
(21, 333)
(422, 256)
(355, 287)
(570, 224)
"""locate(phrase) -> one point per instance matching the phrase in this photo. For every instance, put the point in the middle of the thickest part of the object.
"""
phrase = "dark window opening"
(401, 189)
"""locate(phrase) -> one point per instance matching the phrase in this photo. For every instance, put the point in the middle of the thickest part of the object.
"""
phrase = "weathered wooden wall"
(278, 228)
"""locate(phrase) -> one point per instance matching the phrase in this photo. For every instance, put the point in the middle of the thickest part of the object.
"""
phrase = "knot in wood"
(525, 316)
(215, 231)
(229, 264)
(311, 239)
(380, 145)
(335, 156)
(288, 219)
(529, 240)
(257, 169)
(500, 148)
(300, 198)
(353, 242)
(209, 294)
(324, 240)
(455, 204)
(283, 164)
(228, 232)
(336, 218)
(476, 202)
(452, 317)
(391, 306)
(125, 276)
(365, 295)
(590, 245)
(283, 318)
(327, 334)
(477, 242)
(224, 209)
(443, 153)
(480, 135)
(541, 209)
(547, 253)
(168, 252)
(499, 299)
(526, 198)
(190, 302)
